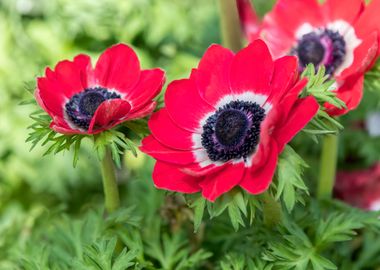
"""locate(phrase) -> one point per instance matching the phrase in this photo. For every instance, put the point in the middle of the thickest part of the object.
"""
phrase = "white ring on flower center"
(345, 30)
(200, 154)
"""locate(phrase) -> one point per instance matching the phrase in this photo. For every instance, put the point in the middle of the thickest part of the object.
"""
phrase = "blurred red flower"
(226, 125)
(341, 35)
(249, 20)
(360, 188)
(85, 100)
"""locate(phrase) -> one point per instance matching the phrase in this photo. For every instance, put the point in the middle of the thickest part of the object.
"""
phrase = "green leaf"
(101, 255)
(235, 216)
(116, 141)
(319, 85)
(336, 228)
(321, 263)
(198, 205)
(289, 181)
(239, 205)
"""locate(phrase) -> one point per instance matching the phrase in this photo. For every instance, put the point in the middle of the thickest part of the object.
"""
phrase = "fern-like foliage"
(306, 241)
(319, 85)
(113, 139)
(101, 255)
(289, 184)
(239, 205)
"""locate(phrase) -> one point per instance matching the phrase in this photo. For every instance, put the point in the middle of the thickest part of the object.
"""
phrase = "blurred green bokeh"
(172, 34)
(39, 33)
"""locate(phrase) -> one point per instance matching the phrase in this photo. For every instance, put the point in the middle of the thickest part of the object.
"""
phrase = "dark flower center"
(89, 102)
(233, 131)
(231, 127)
(325, 47)
(82, 106)
(310, 50)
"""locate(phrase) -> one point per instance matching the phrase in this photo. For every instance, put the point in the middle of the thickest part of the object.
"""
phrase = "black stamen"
(89, 102)
(82, 106)
(233, 131)
(231, 127)
(310, 50)
(313, 47)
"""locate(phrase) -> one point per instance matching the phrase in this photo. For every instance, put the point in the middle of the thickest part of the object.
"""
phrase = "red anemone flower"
(226, 125)
(360, 188)
(84, 100)
(249, 20)
(342, 35)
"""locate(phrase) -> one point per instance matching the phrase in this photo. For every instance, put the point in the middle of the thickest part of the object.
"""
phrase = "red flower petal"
(167, 133)
(369, 21)
(364, 57)
(163, 153)
(284, 76)
(248, 19)
(223, 181)
(301, 114)
(291, 14)
(280, 42)
(166, 176)
(280, 25)
(185, 106)
(73, 77)
(350, 93)
(264, 148)
(142, 112)
(258, 180)
(197, 171)
(60, 125)
(290, 98)
(347, 10)
(83, 62)
(213, 74)
(252, 69)
(148, 87)
(118, 68)
(48, 99)
(109, 114)
(57, 86)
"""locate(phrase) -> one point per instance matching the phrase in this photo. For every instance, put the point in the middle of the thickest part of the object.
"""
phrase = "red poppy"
(360, 188)
(341, 35)
(84, 100)
(226, 125)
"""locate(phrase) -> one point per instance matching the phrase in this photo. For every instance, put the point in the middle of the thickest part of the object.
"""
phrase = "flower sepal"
(287, 189)
(117, 142)
(115, 139)
(320, 86)
(240, 206)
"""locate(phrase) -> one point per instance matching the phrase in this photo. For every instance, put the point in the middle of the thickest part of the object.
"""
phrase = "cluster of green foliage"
(51, 215)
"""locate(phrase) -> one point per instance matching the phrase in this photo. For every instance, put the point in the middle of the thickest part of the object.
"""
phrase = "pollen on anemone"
(341, 35)
(84, 100)
(226, 125)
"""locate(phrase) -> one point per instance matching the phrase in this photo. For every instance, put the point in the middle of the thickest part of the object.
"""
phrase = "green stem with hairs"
(328, 167)
(111, 191)
(230, 24)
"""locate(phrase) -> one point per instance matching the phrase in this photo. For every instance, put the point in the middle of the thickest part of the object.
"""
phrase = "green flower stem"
(272, 210)
(230, 24)
(327, 167)
(111, 192)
